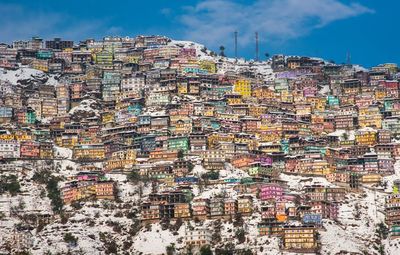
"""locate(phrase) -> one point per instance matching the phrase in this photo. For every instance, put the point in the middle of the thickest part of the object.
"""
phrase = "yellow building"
(257, 111)
(131, 154)
(243, 87)
(7, 137)
(286, 96)
(23, 137)
(366, 136)
(182, 210)
(182, 88)
(264, 93)
(104, 57)
(89, 152)
(370, 117)
(270, 148)
(133, 59)
(39, 64)
(317, 103)
(208, 65)
(272, 136)
(380, 94)
(69, 141)
(233, 99)
(313, 166)
(114, 164)
(371, 178)
(108, 117)
(370, 121)
(299, 238)
(245, 205)
(215, 138)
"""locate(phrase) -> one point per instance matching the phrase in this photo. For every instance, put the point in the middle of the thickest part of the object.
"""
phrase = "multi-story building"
(245, 204)
(300, 239)
(198, 237)
(89, 152)
(58, 44)
(9, 149)
(242, 87)
(201, 207)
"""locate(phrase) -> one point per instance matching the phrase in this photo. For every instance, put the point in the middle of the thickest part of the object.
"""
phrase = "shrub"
(10, 184)
(70, 239)
(171, 249)
(205, 250)
(240, 235)
(54, 194)
(134, 177)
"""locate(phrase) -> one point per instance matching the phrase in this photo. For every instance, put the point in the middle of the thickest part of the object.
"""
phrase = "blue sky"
(326, 28)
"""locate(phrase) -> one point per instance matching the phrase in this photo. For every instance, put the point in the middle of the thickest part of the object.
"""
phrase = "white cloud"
(213, 21)
(166, 11)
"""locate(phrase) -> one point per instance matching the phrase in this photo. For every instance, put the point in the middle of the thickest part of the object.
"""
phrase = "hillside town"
(149, 145)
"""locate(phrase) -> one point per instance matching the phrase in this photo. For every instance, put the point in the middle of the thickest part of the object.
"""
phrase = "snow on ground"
(391, 178)
(264, 68)
(325, 90)
(66, 167)
(392, 246)
(358, 68)
(297, 182)
(217, 190)
(87, 105)
(26, 73)
(198, 170)
(353, 232)
(261, 67)
(336, 239)
(101, 216)
(156, 240)
(231, 172)
(358, 218)
(127, 191)
(342, 133)
(62, 152)
(201, 51)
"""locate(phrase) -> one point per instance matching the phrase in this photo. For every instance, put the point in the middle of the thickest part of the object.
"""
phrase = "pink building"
(333, 209)
(268, 211)
(87, 177)
(30, 149)
(290, 164)
(265, 160)
(271, 191)
(309, 91)
(187, 52)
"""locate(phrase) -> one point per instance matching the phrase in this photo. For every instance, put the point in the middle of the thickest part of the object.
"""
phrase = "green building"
(178, 143)
(44, 54)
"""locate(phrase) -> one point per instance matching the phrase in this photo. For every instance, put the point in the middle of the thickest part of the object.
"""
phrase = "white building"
(132, 85)
(9, 149)
(198, 237)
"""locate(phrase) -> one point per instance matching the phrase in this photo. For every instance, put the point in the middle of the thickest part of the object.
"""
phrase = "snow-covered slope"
(202, 52)
(86, 108)
(26, 75)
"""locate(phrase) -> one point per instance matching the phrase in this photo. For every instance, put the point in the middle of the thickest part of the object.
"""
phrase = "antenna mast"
(257, 58)
(236, 34)
(348, 58)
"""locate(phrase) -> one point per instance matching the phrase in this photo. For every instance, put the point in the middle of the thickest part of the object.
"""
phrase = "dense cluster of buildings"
(161, 108)
(88, 185)
(392, 211)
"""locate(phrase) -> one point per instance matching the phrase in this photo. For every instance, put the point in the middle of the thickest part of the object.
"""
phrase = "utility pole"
(257, 58)
(236, 34)
(348, 58)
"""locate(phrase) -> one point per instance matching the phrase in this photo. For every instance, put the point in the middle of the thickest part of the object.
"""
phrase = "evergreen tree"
(205, 250)
(222, 51)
